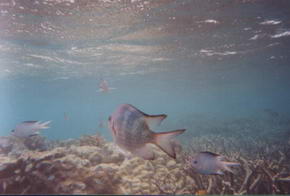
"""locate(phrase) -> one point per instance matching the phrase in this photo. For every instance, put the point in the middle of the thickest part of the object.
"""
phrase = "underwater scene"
(145, 97)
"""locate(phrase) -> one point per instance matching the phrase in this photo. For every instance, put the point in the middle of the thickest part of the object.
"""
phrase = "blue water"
(213, 60)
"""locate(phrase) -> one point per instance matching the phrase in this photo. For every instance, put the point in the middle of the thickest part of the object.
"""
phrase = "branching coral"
(262, 164)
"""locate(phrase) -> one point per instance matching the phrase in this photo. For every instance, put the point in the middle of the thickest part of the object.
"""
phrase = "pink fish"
(210, 163)
(65, 116)
(104, 86)
(131, 132)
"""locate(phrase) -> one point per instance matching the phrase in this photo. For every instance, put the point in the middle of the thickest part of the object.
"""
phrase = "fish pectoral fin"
(154, 120)
(164, 141)
(146, 152)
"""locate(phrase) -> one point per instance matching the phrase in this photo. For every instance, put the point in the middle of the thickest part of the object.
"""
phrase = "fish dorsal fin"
(154, 120)
(151, 120)
(30, 121)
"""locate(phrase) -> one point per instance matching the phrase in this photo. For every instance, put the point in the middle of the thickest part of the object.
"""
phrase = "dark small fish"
(29, 128)
(209, 163)
(131, 131)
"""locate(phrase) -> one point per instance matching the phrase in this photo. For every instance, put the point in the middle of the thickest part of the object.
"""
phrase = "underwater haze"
(94, 76)
(201, 62)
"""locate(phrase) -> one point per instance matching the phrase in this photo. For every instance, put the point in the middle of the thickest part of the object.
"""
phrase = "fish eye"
(195, 162)
(110, 118)
(13, 130)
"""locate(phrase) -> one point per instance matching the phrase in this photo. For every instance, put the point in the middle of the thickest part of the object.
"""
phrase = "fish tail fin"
(219, 172)
(226, 165)
(164, 141)
(44, 125)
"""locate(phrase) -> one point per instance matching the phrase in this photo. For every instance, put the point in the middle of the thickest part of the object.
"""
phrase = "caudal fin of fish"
(43, 125)
(164, 141)
(227, 165)
(154, 120)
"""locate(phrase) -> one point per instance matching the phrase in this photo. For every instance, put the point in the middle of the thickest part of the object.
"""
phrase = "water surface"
(200, 62)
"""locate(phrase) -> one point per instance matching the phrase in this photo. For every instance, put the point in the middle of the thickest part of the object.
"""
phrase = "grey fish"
(209, 163)
(131, 132)
(29, 128)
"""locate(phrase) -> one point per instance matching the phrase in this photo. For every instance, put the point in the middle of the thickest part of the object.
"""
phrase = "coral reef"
(14, 146)
(74, 169)
(91, 165)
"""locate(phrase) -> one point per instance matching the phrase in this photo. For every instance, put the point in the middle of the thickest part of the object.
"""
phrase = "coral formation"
(91, 165)
(74, 169)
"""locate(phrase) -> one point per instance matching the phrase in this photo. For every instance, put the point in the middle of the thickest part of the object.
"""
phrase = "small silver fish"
(131, 131)
(209, 163)
(29, 128)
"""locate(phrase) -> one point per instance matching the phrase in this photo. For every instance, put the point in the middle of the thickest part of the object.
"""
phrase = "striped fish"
(131, 132)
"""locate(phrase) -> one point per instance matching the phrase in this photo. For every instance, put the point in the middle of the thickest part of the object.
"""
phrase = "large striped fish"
(131, 131)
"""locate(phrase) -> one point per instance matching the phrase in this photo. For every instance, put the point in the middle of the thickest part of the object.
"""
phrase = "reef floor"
(91, 165)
